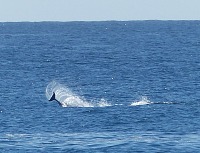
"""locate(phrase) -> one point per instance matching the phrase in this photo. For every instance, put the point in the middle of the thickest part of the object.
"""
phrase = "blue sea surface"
(141, 80)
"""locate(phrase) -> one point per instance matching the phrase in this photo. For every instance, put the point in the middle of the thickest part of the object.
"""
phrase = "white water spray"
(144, 101)
(66, 98)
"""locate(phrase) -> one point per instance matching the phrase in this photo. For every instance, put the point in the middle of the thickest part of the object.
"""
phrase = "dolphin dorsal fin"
(52, 97)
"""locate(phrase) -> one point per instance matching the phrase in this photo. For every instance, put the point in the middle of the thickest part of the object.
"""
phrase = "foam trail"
(144, 101)
(66, 98)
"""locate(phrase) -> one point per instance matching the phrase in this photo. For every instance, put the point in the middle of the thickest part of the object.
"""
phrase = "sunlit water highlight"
(106, 141)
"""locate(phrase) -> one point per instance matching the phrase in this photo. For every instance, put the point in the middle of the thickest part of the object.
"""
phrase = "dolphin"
(53, 97)
(69, 101)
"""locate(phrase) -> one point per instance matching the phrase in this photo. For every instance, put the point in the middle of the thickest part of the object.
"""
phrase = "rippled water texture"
(119, 86)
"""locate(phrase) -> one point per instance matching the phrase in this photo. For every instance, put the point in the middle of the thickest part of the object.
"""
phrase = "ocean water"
(124, 87)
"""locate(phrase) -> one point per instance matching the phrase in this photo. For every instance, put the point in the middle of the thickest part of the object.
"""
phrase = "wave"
(95, 140)
(66, 98)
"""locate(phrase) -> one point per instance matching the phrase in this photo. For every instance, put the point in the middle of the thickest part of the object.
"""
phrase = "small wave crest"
(67, 98)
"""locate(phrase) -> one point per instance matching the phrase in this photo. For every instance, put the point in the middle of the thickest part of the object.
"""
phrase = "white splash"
(144, 101)
(67, 98)
(103, 103)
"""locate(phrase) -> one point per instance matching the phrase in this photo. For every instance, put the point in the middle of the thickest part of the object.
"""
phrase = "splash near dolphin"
(66, 98)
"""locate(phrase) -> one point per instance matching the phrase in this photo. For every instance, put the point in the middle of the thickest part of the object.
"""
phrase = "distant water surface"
(136, 86)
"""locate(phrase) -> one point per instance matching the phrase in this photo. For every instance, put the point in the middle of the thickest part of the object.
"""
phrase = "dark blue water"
(146, 74)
